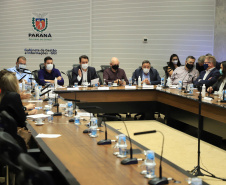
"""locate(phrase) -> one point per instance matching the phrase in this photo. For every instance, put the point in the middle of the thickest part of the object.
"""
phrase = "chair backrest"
(166, 72)
(9, 151)
(41, 65)
(32, 173)
(103, 67)
(100, 75)
(69, 75)
(35, 74)
(75, 65)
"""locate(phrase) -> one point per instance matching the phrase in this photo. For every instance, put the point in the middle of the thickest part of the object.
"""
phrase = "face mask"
(49, 67)
(221, 72)
(85, 66)
(205, 66)
(189, 66)
(175, 62)
(22, 66)
(146, 70)
(115, 67)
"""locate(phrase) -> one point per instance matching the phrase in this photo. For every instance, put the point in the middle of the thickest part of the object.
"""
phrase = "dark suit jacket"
(91, 74)
(154, 76)
(12, 104)
(214, 75)
(217, 85)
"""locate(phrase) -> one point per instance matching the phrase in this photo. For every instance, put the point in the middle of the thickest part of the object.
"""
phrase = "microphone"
(63, 73)
(45, 87)
(22, 78)
(156, 180)
(57, 105)
(130, 160)
(184, 78)
(45, 92)
(106, 141)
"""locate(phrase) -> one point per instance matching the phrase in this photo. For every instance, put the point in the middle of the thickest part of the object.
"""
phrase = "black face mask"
(189, 66)
(115, 67)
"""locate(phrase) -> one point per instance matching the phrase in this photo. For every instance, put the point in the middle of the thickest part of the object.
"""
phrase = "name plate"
(130, 87)
(148, 87)
(103, 88)
(73, 89)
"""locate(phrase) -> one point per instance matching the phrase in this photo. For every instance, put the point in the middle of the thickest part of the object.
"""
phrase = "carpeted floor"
(180, 148)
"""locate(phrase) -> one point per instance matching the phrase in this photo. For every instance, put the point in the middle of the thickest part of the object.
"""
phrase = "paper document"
(48, 135)
(34, 101)
(94, 81)
(35, 116)
(85, 114)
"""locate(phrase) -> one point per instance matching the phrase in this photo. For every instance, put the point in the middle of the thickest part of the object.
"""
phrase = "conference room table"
(173, 103)
(81, 161)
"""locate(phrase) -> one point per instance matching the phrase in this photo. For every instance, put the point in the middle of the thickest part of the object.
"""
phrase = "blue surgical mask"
(205, 66)
(221, 72)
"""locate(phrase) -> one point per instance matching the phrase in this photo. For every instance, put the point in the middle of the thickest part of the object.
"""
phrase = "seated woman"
(10, 100)
(220, 85)
(174, 62)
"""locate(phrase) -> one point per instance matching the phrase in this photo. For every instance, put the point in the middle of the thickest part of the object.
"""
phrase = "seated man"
(20, 70)
(210, 74)
(148, 75)
(186, 74)
(115, 74)
(200, 63)
(83, 73)
(48, 74)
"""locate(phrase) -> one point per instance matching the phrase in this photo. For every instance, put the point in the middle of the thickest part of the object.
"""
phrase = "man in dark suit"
(83, 73)
(210, 75)
(148, 75)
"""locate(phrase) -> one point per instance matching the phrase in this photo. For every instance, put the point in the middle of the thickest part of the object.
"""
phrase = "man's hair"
(224, 68)
(201, 59)
(146, 62)
(47, 58)
(208, 54)
(83, 56)
(191, 57)
(21, 57)
(213, 60)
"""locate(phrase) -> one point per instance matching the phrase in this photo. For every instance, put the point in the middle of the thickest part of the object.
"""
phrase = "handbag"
(25, 134)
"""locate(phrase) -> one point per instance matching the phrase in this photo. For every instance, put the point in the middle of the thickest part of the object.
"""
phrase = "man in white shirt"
(210, 74)
(186, 74)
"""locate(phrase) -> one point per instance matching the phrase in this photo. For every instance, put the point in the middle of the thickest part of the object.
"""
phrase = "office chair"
(31, 173)
(100, 73)
(103, 67)
(35, 74)
(75, 65)
(9, 152)
(69, 75)
(41, 65)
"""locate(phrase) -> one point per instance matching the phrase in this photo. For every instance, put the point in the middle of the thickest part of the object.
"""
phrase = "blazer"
(214, 75)
(217, 85)
(12, 104)
(90, 75)
(154, 76)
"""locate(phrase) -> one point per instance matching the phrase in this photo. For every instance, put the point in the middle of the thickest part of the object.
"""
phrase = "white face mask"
(85, 66)
(175, 62)
(49, 67)
(146, 70)
(22, 66)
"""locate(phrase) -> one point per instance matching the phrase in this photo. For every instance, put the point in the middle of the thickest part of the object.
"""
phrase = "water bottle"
(139, 81)
(70, 109)
(203, 90)
(150, 164)
(55, 83)
(37, 93)
(162, 81)
(122, 146)
(130, 81)
(77, 120)
(93, 127)
(191, 88)
(135, 82)
(180, 85)
(50, 118)
(23, 85)
(104, 82)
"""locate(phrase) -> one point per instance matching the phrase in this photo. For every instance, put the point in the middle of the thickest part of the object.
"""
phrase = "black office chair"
(75, 65)
(31, 173)
(9, 152)
(41, 65)
(69, 75)
(103, 67)
(35, 74)
(100, 73)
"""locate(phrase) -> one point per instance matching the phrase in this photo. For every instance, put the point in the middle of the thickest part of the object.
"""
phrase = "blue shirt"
(145, 76)
(44, 75)
(19, 75)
